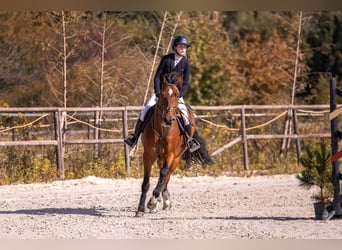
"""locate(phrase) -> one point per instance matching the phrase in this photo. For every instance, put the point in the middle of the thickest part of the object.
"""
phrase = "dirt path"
(259, 207)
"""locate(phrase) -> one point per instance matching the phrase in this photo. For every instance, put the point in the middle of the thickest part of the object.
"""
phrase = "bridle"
(167, 110)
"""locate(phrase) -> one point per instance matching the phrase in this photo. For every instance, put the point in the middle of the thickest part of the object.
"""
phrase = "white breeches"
(182, 107)
(153, 100)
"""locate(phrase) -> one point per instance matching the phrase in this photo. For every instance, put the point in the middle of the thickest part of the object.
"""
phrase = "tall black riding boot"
(192, 142)
(133, 138)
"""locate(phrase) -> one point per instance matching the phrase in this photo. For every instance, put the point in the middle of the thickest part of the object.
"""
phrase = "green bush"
(317, 171)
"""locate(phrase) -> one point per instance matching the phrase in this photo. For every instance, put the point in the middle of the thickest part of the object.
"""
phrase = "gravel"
(258, 207)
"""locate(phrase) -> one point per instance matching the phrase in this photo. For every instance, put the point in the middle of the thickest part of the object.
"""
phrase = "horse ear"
(179, 81)
(163, 79)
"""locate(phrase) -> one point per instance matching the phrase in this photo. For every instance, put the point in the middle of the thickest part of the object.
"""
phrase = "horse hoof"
(153, 204)
(139, 214)
(167, 205)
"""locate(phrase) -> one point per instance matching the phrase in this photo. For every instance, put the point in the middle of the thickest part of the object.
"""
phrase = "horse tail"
(200, 156)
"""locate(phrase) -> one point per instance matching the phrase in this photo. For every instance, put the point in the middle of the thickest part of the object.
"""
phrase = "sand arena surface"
(260, 207)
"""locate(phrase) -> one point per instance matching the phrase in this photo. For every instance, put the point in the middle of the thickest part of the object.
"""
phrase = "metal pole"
(334, 148)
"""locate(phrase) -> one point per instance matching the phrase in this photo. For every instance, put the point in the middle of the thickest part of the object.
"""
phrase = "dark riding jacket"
(166, 65)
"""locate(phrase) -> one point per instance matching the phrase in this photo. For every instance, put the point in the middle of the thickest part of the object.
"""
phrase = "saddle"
(179, 117)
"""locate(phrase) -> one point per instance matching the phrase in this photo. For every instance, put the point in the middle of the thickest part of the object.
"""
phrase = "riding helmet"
(180, 40)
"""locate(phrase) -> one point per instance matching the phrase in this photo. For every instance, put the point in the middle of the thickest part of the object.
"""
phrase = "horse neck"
(158, 125)
(166, 135)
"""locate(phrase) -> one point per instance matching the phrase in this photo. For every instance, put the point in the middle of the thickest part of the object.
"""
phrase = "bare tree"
(297, 56)
(290, 115)
(166, 18)
(104, 39)
(61, 50)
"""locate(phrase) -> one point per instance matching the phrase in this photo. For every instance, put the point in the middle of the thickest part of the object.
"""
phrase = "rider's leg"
(192, 143)
(133, 138)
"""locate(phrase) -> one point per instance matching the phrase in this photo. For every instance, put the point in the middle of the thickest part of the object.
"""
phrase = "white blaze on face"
(170, 92)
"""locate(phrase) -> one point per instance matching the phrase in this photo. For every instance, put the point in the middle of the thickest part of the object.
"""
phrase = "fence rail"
(59, 116)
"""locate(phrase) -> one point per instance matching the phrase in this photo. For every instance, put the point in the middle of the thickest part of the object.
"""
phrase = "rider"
(172, 62)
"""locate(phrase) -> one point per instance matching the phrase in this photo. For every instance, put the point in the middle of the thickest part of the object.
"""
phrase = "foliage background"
(244, 57)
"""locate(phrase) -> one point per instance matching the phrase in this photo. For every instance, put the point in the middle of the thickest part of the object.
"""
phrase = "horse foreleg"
(166, 199)
(145, 185)
(161, 181)
(154, 202)
(144, 188)
(156, 199)
(165, 194)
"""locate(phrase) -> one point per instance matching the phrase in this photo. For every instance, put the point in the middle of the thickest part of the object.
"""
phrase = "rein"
(166, 122)
(165, 108)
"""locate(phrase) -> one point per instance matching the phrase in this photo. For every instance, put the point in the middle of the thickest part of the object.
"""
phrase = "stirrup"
(131, 141)
(193, 145)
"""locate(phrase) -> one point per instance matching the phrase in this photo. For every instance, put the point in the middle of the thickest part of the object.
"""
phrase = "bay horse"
(164, 141)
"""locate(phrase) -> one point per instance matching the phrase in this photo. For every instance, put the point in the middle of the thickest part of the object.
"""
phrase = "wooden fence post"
(96, 133)
(244, 139)
(295, 127)
(287, 127)
(125, 133)
(60, 144)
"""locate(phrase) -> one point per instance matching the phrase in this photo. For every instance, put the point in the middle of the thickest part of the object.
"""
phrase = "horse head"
(168, 101)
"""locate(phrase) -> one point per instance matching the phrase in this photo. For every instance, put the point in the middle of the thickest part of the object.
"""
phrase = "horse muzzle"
(168, 121)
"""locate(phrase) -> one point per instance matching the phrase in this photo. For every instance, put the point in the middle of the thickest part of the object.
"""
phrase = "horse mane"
(175, 78)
